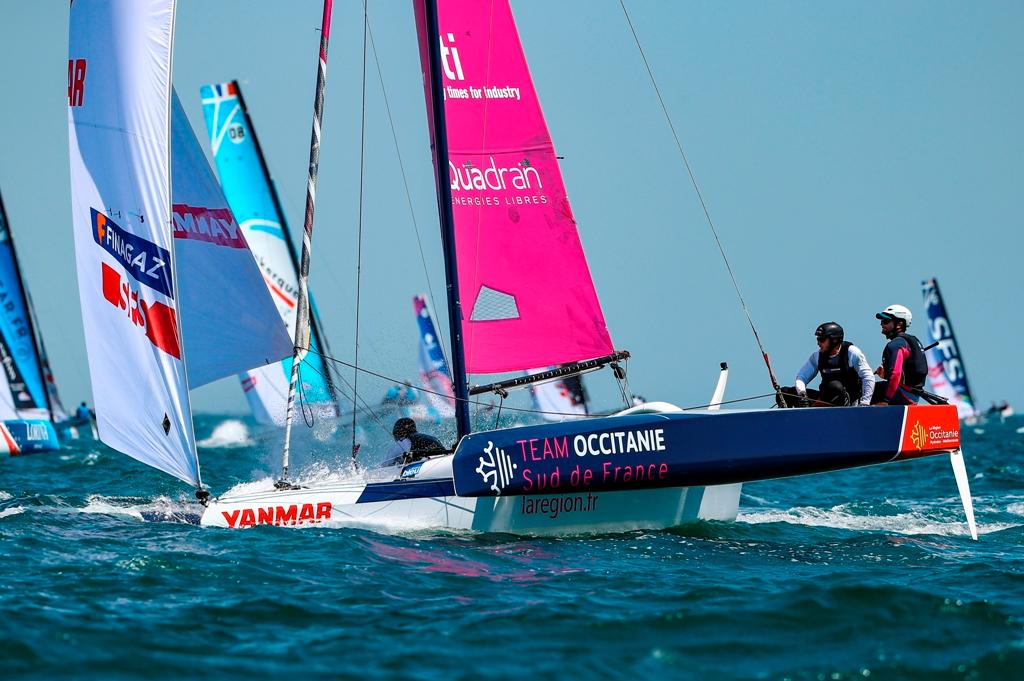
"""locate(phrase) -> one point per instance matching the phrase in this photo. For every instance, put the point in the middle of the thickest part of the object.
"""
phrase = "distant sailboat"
(28, 398)
(171, 296)
(245, 179)
(947, 374)
(434, 375)
(560, 399)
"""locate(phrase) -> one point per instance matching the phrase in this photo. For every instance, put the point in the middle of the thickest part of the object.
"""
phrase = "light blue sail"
(253, 199)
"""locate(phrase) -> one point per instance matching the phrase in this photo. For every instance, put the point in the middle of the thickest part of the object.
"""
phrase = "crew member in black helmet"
(410, 445)
(846, 377)
(904, 366)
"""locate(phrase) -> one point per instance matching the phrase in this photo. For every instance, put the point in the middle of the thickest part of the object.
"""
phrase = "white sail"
(119, 74)
(133, 293)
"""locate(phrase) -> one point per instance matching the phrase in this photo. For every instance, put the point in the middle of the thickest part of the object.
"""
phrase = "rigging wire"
(700, 196)
(405, 184)
(482, 405)
(359, 238)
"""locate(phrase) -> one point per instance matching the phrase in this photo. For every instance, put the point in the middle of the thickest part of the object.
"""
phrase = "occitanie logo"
(918, 435)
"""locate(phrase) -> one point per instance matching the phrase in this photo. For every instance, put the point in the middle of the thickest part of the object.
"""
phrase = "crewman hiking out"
(846, 377)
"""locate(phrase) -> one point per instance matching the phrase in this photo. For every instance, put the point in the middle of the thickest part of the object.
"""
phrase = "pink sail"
(527, 297)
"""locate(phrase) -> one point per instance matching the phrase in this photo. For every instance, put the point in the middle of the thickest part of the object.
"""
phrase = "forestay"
(527, 295)
(247, 185)
(140, 307)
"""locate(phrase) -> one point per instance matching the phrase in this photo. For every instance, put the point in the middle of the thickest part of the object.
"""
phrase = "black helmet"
(404, 427)
(829, 330)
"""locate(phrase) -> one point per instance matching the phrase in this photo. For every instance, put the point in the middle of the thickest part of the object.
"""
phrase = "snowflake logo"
(496, 467)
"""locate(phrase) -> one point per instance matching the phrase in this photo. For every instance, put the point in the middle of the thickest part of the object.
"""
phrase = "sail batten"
(527, 295)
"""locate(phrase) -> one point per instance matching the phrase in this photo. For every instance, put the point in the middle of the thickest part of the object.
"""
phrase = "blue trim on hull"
(406, 489)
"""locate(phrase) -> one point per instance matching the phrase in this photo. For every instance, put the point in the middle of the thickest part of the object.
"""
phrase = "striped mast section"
(302, 313)
(314, 321)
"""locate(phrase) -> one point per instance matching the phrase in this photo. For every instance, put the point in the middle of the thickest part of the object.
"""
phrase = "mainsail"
(165, 277)
(246, 181)
(23, 394)
(434, 374)
(946, 372)
(527, 295)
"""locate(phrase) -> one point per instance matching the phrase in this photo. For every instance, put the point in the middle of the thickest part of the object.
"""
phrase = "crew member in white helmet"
(904, 366)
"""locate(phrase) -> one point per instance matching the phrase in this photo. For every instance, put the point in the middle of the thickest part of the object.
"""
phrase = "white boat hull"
(402, 505)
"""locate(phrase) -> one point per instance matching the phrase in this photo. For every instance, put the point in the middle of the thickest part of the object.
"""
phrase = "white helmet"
(896, 312)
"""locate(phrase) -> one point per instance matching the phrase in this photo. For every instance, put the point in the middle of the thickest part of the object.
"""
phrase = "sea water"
(861, 574)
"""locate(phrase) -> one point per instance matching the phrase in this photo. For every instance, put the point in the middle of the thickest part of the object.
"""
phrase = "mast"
(302, 311)
(28, 306)
(444, 209)
(318, 336)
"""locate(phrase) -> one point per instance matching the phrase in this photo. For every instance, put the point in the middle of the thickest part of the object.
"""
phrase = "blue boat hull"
(25, 436)
(695, 449)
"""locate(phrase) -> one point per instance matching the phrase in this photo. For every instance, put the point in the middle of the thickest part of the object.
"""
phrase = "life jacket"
(915, 368)
(423, 445)
(838, 369)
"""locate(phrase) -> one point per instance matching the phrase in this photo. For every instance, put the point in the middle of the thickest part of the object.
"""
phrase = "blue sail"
(25, 416)
(250, 193)
(946, 373)
(434, 375)
(24, 395)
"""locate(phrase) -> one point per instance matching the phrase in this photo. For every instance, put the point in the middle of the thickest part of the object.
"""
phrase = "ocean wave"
(841, 518)
(229, 433)
(13, 510)
(158, 509)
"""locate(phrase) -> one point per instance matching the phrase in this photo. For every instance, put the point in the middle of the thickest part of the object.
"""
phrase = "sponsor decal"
(554, 506)
(143, 260)
(451, 64)
(159, 321)
(494, 185)
(296, 514)
(918, 435)
(76, 82)
(249, 382)
(212, 225)
(930, 429)
(600, 460)
(13, 352)
(496, 467)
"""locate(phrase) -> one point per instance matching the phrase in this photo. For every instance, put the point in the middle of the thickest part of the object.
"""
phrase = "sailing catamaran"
(502, 203)
(250, 191)
(29, 404)
(947, 374)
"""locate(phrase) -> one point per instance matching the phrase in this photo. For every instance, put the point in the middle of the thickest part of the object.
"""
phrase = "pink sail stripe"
(213, 225)
(527, 296)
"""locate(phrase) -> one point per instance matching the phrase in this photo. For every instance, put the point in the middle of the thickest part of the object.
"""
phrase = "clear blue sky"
(846, 150)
